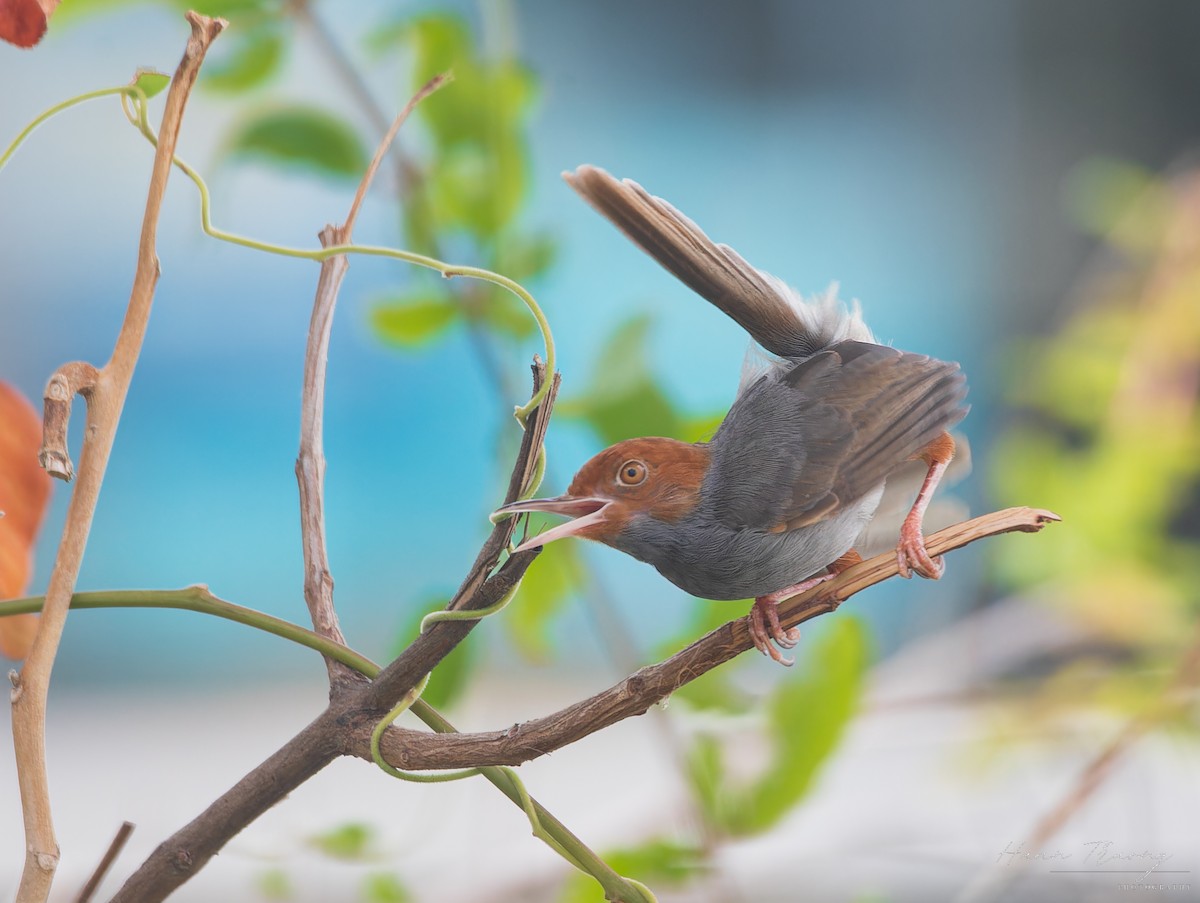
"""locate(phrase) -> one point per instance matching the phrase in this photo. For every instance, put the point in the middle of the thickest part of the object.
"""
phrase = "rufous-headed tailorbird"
(773, 502)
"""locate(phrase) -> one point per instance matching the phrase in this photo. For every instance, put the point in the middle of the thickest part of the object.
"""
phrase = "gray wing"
(756, 300)
(796, 448)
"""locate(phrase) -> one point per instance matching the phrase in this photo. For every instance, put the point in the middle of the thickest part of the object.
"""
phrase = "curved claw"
(912, 556)
(764, 627)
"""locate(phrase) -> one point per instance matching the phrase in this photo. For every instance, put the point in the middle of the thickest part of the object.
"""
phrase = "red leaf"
(23, 22)
(24, 496)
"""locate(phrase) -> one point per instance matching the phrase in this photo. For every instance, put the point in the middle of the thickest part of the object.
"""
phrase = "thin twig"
(344, 68)
(425, 90)
(310, 461)
(108, 392)
(110, 856)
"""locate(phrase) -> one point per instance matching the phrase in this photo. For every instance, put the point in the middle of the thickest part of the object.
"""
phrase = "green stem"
(473, 614)
(132, 94)
(199, 599)
(448, 270)
(123, 90)
(418, 777)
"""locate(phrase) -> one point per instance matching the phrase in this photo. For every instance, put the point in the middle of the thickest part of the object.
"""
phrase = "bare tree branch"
(310, 462)
(412, 750)
(318, 744)
(108, 388)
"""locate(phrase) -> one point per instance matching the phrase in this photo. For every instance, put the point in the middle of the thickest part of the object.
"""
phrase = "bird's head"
(654, 477)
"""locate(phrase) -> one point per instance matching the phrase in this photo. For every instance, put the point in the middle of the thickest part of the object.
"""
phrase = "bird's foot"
(911, 555)
(765, 626)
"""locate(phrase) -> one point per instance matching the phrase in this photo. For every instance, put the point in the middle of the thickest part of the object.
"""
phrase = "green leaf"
(522, 257)
(478, 187)
(642, 409)
(351, 841)
(706, 771)
(414, 320)
(449, 678)
(226, 9)
(384, 887)
(545, 588)
(274, 884)
(252, 59)
(807, 718)
(701, 428)
(69, 13)
(151, 81)
(659, 861)
(623, 398)
(300, 137)
(498, 310)
(420, 219)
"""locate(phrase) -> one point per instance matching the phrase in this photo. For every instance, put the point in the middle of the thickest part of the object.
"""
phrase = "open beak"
(586, 513)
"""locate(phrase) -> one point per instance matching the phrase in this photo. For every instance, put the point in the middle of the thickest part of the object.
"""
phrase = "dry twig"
(106, 861)
(310, 463)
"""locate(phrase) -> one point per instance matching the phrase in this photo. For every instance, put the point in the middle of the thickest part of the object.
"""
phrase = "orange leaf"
(24, 496)
(23, 22)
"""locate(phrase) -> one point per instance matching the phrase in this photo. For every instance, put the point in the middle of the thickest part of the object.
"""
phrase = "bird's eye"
(632, 473)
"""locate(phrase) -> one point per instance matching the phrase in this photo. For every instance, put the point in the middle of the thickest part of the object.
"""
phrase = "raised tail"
(765, 307)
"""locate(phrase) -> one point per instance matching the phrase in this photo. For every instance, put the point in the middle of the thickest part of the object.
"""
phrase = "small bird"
(772, 504)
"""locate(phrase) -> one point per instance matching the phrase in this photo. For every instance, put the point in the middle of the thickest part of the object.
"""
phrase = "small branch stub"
(69, 380)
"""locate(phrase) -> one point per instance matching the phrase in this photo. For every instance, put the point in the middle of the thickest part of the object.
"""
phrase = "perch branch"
(108, 388)
(310, 462)
(416, 750)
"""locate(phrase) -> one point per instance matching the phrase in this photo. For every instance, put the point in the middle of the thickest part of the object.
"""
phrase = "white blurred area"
(910, 808)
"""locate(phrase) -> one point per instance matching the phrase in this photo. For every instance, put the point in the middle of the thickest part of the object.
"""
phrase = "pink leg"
(911, 555)
(764, 620)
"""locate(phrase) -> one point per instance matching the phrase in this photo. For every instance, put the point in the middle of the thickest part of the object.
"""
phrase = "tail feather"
(764, 306)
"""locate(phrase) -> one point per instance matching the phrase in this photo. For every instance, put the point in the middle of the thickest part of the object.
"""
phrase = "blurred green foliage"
(252, 56)
(1108, 436)
(384, 887)
(806, 718)
(352, 841)
(448, 681)
(274, 884)
(660, 862)
(303, 137)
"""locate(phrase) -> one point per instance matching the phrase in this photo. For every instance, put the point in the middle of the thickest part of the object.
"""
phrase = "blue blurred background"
(1006, 184)
(914, 153)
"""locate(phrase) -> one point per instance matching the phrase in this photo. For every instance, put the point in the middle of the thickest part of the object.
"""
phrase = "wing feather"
(798, 448)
